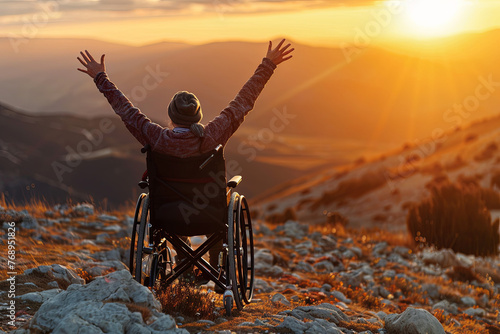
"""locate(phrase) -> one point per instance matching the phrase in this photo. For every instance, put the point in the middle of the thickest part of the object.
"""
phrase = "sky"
(313, 22)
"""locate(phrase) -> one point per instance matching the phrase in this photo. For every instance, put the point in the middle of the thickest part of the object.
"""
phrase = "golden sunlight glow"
(434, 16)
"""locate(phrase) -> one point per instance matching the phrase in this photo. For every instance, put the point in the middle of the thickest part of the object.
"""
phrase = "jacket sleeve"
(140, 126)
(223, 126)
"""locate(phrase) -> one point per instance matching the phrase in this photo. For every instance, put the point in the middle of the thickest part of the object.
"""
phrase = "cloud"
(23, 7)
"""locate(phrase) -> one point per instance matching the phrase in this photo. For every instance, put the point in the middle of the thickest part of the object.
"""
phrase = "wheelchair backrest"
(186, 199)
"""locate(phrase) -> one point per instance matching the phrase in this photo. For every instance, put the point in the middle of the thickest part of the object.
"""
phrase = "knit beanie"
(185, 109)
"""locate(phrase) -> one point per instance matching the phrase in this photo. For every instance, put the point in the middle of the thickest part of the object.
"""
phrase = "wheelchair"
(188, 197)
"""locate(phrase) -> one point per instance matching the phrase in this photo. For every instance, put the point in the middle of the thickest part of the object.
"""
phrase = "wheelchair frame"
(152, 264)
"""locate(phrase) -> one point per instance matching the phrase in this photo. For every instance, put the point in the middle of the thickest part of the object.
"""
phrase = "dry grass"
(144, 311)
(359, 327)
(188, 301)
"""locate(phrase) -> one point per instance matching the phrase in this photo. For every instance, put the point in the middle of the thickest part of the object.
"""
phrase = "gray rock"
(100, 268)
(324, 311)
(111, 255)
(413, 321)
(381, 263)
(340, 296)
(247, 324)
(446, 306)
(278, 298)
(326, 287)
(302, 251)
(381, 315)
(484, 300)
(379, 249)
(327, 243)
(39, 297)
(475, 312)
(112, 228)
(102, 238)
(83, 209)
(100, 307)
(306, 244)
(324, 266)
(292, 324)
(402, 251)
(352, 278)
(468, 301)
(263, 256)
(295, 230)
(389, 274)
(53, 284)
(29, 223)
(431, 272)
(357, 251)
(322, 326)
(269, 271)
(107, 218)
(432, 290)
(445, 258)
(87, 242)
(304, 267)
(206, 322)
(56, 271)
(262, 286)
(348, 254)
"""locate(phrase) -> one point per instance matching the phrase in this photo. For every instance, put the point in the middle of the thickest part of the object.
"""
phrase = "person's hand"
(92, 67)
(278, 55)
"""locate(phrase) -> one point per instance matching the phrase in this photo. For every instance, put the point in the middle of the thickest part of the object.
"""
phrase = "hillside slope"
(378, 192)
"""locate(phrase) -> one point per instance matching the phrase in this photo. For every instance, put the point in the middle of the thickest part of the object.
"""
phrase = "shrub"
(487, 153)
(495, 179)
(352, 188)
(279, 218)
(335, 218)
(455, 216)
(182, 298)
(457, 163)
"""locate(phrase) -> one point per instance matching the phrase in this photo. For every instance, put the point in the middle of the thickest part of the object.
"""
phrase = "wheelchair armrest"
(234, 181)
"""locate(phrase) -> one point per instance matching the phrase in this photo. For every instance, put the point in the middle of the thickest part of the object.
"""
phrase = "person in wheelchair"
(187, 137)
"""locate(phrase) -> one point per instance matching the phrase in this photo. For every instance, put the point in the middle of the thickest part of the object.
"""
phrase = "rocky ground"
(72, 277)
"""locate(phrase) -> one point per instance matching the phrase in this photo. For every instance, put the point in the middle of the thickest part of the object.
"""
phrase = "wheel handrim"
(142, 234)
(246, 264)
(232, 249)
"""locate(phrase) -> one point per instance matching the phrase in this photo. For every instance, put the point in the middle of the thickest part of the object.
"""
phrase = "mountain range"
(343, 109)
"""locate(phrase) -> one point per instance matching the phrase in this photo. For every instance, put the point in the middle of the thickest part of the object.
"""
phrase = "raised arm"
(141, 127)
(229, 120)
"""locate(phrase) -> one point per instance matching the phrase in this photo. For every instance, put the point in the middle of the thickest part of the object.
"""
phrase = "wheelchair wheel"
(142, 256)
(245, 251)
(135, 229)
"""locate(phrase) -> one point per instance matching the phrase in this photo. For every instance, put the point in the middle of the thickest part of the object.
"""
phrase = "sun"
(434, 16)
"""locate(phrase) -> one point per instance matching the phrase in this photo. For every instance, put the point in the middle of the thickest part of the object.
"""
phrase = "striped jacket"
(182, 145)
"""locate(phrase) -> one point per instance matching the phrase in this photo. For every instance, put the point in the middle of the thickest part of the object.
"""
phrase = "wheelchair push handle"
(146, 148)
(205, 163)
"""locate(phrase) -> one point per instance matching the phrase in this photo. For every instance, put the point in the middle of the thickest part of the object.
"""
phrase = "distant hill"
(378, 192)
(61, 157)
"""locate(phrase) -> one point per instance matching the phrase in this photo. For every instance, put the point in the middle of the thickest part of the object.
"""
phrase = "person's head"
(184, 110)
